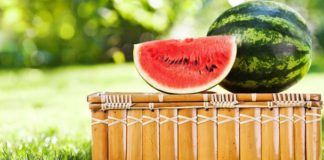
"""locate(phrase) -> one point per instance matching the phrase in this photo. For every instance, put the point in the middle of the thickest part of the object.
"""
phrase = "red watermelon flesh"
(185, 66)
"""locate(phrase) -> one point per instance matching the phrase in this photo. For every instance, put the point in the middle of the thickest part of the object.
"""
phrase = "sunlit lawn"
(44, 113)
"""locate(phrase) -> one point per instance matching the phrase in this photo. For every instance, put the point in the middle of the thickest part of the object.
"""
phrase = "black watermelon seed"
(195, 62)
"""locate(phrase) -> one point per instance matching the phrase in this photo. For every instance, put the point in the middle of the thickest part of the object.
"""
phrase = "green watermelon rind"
(155, 84)
(274, 46)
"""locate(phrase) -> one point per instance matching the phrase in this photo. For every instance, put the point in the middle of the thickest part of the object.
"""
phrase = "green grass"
(44, 113)
(46, 147)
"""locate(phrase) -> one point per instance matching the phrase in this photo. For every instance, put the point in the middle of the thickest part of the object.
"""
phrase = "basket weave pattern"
(206, 126)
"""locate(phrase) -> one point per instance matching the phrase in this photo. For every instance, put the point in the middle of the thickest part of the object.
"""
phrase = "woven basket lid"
(128, 100)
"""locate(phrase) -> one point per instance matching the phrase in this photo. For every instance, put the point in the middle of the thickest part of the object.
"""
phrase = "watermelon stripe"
(268, 63)
(269, 82)
(259, 87)
(260, 25)
(254, 36)
(270, 49)
(266, 19)
(249, 16)
(272, 40)
(261, 74)
(267, 9)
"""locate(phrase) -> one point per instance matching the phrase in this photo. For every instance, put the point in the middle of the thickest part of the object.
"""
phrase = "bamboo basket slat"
(286, 134)
(150, 135)
(250, 134)
(117, 134)
(168, 135)
(134, 135)
(205, 126)
(100, 137)
(207, 134)
(299, 134)
(313, 134)
(228, 134)
(270, 134)
(187, 135)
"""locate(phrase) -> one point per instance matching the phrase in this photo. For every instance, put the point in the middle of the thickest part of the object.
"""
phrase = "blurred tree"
(51, 33)
(35, 33)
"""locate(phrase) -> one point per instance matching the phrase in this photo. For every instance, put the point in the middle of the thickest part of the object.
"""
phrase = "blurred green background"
(54, 53)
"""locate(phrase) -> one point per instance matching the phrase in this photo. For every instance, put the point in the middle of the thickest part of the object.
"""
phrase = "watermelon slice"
(185, 66)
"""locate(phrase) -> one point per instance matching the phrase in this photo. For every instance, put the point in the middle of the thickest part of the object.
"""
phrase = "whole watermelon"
(274, 46)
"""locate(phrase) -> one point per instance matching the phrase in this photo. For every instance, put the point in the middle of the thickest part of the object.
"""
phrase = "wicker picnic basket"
(205, 126)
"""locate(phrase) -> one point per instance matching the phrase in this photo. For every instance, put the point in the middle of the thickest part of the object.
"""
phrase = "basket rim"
(137, 100)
